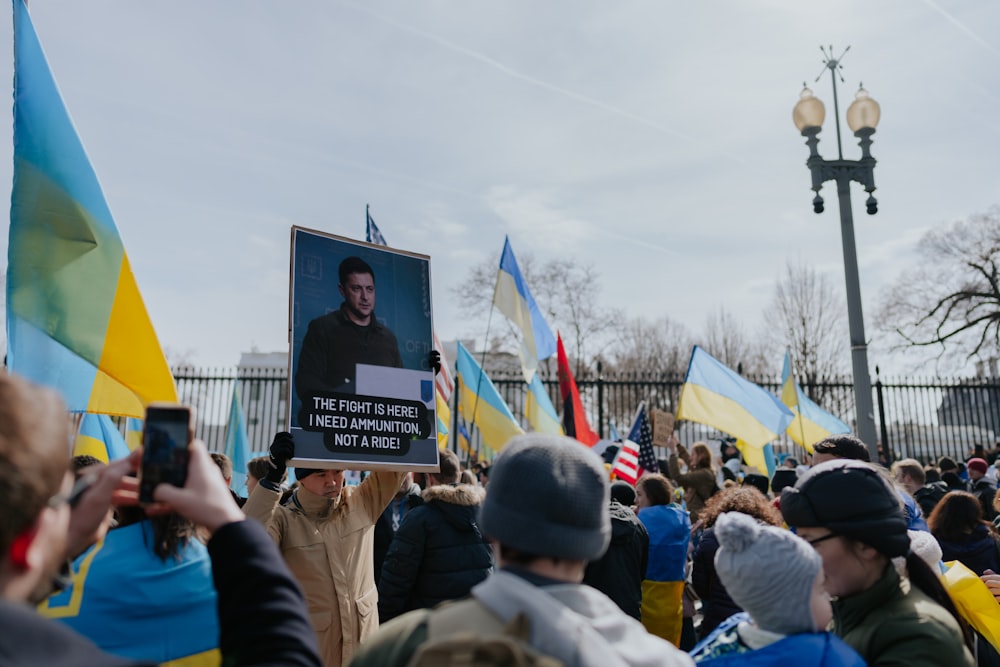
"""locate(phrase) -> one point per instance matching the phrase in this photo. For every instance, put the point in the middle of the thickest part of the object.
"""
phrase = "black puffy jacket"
(438, 553)
(716, 605)
(620, 571)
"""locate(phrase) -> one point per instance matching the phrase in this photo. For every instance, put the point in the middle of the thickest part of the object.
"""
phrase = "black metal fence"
(923, 418)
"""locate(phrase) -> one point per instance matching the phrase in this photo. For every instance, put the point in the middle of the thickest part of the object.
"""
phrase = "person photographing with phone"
(45, 519)
(325, 533)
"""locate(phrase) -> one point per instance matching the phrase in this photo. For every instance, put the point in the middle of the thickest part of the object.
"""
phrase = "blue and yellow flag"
(133, 433)
(75, 319)
(761, 458)
(538, 409)
(443, 418)
(237, 443)
(482, 404)
(717, 396)
(128, 601)
(99, 437)
(513, 298)
(811, 423)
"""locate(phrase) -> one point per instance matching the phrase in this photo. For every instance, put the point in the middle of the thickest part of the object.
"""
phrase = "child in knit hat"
(778, 580)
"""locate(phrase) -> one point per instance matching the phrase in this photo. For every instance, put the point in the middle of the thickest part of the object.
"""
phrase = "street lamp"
(862, 117)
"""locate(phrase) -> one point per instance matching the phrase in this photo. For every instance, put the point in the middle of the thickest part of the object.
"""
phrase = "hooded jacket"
(327, 544)
(573, 623)
(438, 552)
(979, 550)
(620, 571)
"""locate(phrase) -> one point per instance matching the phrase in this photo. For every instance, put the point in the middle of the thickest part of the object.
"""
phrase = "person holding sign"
(336, 342)
(324, 532)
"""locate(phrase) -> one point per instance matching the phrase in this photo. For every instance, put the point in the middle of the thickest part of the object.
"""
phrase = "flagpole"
(482, 360)
(798, 402)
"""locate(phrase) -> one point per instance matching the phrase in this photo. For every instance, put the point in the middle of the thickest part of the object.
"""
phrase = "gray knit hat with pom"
(748, 552)
(548, 496)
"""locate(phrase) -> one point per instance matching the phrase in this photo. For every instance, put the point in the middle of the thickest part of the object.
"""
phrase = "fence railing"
(923, 418)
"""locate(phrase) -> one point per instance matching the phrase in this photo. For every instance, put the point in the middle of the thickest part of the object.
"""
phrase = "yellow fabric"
(754, 456)
(702, 405)
(662, 609)
(132, 362)
(212, 658)
(88, 446)
(444, 416)
(974, 601)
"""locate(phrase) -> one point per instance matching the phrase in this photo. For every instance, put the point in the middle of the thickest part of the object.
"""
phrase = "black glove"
(434, 361)
(282, 449)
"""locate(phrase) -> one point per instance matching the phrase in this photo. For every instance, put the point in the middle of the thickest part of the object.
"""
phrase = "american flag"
(636, 454)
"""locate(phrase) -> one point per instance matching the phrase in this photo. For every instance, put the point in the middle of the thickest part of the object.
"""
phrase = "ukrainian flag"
(99, 437)
(237, 443)
(717, 396)
(443, 419)
(513, 298)
(482, 405)
(133, 433)
(75, 319)
(538, 409)
(811, 423)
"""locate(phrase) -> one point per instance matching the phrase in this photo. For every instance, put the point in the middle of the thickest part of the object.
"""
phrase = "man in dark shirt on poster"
(334, 343)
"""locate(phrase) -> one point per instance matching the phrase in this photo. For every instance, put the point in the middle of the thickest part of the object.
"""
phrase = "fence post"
(886, 445)
(600, 400)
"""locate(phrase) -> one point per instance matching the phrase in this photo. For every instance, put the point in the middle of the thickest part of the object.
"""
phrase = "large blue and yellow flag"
(482, 405)
(133, 432)
(99, 437)
(513, 298)
(75, 319)
(717, 396)
(443, 419)
(811, 423)
(538, 409)
(237, 443)
(761, 458)
(128, 601)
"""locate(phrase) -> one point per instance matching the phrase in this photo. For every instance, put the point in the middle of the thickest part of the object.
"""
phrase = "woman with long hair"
(699, 481)
(957, 523)
(852, 516)
(716, 604)
(669, 534)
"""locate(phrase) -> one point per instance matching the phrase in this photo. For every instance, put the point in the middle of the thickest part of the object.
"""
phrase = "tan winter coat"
(327, 545)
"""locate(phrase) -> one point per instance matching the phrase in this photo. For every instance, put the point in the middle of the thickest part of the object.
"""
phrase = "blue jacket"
(816, 649)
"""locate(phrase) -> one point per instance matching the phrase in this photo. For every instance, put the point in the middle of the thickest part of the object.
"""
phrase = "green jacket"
(895, 624)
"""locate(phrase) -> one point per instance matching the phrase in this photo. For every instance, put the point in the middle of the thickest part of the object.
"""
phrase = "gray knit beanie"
(548, 496)
(748, 551)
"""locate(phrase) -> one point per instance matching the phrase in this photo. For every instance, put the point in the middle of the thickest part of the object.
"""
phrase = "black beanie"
(302, 473)
(850, 498)
(623, 492)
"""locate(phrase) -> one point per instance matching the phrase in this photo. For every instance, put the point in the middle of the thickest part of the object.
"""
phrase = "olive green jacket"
(896, 624)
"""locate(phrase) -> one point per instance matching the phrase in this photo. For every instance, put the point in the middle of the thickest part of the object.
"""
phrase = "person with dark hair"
(758, 481)
(957, 523)
(841, 446)
(716, 604)
(620, 571)
(439, 553)
(786, 616)
(981, 487)
(850, 513)
(261, 616)
(406, 499)
(546, 513)
(257, 468)
(81, 461)
(669, 531)
(324, 532)
(337, 341)
(144, 592)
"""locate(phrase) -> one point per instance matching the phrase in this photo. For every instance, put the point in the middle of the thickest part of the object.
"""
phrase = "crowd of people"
(539, 556)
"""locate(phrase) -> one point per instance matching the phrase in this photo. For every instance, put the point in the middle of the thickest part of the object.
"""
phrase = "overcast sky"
(651, 139)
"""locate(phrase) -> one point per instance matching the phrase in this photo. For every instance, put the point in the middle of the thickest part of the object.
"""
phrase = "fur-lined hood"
(465, 495)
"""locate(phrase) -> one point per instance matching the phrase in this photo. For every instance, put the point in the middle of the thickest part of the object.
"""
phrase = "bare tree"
(566, 292)
(806, 316)
(950, 301)
(662, 347)
(726, 340)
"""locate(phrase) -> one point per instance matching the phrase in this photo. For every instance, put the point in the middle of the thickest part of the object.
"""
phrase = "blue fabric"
(130, 603)
(816, 649)
(669, 531)
(914, 517)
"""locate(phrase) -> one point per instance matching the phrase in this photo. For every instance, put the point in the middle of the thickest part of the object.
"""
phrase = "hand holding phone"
(166, 435)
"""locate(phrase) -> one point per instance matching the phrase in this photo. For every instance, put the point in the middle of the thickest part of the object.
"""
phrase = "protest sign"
(663, 427)
(362, 390)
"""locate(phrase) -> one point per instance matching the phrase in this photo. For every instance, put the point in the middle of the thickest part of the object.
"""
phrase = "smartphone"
(166, 434)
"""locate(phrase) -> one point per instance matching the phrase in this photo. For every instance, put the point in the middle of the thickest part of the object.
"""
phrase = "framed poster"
(361, 395)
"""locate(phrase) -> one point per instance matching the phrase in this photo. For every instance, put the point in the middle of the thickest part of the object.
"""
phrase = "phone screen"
(165, 449)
